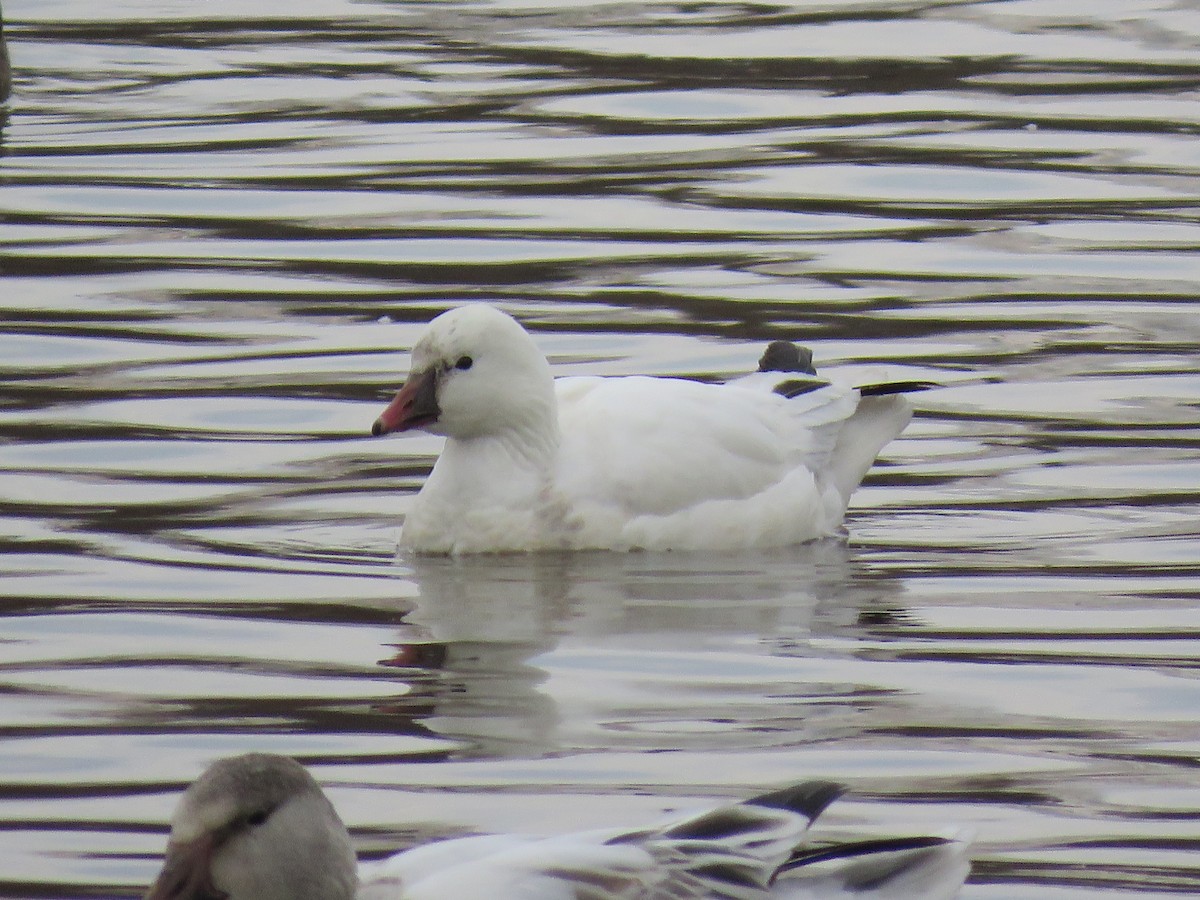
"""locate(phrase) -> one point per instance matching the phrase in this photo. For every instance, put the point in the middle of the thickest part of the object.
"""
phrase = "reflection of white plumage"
(535, 463)
(5, 69)
(258, 827)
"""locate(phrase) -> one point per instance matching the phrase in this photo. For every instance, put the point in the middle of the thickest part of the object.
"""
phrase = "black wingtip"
(784, 356)
(806, 856)
(895, 387)
(809, 799)
(795, 387)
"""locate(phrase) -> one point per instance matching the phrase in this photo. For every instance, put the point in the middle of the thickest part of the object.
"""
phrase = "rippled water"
(220, 233)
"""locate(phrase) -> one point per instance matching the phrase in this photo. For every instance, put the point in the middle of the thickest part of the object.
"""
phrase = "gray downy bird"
(259, 827)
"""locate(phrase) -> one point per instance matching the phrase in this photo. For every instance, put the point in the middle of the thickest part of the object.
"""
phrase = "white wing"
(658, 446)
(572, 867)
(730, 853)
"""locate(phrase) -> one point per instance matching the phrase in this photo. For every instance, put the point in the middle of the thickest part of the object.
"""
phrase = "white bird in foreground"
(258, 827)
(620, 463)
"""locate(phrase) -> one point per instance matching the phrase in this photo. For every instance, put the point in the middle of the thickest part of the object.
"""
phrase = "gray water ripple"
(220, 235)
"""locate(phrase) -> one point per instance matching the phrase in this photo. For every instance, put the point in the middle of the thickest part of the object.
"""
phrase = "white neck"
(491, 468)
(489, 490)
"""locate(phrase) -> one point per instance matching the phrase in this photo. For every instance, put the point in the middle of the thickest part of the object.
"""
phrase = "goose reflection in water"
(508, 634)
(5, 67)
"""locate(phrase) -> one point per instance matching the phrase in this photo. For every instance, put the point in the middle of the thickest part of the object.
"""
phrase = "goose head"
(256, 827)
(475, 372)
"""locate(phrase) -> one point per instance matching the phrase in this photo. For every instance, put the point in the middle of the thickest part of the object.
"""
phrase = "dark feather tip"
(809, 799)
(895, 387)
(784, 356)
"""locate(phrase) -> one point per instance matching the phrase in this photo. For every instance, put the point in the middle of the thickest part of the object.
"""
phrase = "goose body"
(258, 827)
(620, 463)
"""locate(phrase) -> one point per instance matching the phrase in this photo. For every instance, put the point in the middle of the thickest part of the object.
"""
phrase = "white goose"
(258, 827)
(537, 463)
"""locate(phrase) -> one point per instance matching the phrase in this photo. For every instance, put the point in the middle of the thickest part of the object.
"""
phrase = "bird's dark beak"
(413, 407)
(186, 873)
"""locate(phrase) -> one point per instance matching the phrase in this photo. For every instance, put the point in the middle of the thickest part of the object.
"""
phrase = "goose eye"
(257, 817)
(464, 362)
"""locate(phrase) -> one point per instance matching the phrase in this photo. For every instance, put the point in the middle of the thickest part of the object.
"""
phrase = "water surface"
(220, 233)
